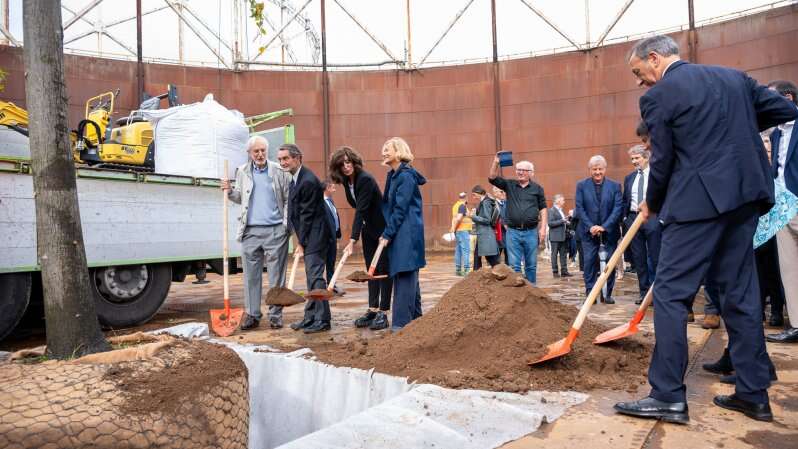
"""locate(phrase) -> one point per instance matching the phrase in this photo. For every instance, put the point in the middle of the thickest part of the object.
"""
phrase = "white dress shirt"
(784, 145)
(635, 200)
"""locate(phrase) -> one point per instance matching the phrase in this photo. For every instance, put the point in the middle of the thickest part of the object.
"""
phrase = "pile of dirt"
(359, 276)
(281, 296)
(194, 367)
(483, 333)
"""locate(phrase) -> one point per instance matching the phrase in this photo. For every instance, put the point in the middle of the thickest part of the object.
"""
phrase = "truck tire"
(15, 291)
(128, 295)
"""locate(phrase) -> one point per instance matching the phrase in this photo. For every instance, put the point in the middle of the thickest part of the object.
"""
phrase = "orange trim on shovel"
(629, 328)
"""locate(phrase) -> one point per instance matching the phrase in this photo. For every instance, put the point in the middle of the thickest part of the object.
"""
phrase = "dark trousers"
(492, 260)
(380, 290)
(592, 264)
(314, 271)
(559, 249)
(580, 253)
(720, 249)
(645, 251)
(407, 298)
(769, 276)
(329, 262)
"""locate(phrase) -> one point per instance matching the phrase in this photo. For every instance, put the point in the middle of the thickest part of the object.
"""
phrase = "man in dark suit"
(709, 182)
(598, 208)
(334, 221)
(645, 245)
(784, 145)
(558, 234)
(308, 218)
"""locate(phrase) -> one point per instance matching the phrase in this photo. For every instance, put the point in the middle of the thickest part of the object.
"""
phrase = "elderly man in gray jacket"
(262, 189)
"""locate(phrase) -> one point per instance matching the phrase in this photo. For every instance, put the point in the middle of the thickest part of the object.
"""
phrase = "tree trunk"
(71, 321)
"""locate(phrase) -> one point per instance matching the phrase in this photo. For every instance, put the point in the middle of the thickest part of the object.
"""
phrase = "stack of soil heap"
(483, 333)
(190, 395)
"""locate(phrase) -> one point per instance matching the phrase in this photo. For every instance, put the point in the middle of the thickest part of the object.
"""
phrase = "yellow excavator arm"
(14, 117)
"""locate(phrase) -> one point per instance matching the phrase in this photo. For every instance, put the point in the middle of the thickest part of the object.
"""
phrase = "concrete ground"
(591, 425)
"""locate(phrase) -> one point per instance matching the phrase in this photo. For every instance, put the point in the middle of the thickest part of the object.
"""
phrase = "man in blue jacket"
(709, 182)
(598, 208)
(784, 144)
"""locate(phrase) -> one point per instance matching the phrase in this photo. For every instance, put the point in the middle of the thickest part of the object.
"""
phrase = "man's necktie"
(291, 186)
(640, 193)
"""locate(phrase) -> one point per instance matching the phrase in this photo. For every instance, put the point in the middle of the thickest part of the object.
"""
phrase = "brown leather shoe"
(711, 322)
(690, 317)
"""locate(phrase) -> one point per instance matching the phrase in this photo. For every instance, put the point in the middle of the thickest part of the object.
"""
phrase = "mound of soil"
(482, 334)
(359, 276)
(194, 367)
(281, 296)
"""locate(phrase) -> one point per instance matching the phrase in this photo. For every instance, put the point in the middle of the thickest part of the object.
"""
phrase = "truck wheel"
(128, 295)
(15, 291)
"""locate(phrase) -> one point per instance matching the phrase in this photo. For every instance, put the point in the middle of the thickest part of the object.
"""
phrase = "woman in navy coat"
(404, 230)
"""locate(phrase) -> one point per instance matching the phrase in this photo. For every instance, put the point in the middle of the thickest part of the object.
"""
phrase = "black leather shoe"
(629, 270)
(249, 322)
(776, 321)
(675, 412)
(566, 274)
(759, 412)
(639, 301)
(788, 336)
(276, 322)
(319, 326)
(731, 379)
(722, 366)
(302, 324)
(380, 321)
(366, 319)
(609, 300)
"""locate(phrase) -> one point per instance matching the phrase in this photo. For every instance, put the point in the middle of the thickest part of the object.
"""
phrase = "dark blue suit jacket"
(626, 201)
(706, 154)
(331, 220)
(590, 212)
(791, 164)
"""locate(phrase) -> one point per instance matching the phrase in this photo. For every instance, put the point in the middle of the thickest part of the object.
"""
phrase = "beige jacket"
(243, 187)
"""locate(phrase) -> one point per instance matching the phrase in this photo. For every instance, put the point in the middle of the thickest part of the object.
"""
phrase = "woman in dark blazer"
(404, 230)
(363, 194)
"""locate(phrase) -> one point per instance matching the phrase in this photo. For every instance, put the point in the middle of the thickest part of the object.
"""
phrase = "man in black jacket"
(334, 221)
(308, 217)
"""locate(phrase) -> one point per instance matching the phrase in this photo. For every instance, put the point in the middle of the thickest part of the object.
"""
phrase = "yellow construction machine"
(130, 145)
(14, 117)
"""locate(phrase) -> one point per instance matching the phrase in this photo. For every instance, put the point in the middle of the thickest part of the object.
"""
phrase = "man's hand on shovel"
(642, 209)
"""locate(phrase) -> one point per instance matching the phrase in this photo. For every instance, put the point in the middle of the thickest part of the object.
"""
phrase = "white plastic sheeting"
(299, 403)
(195, 139)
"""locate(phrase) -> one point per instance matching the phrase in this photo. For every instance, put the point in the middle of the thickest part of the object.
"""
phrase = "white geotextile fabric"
(429, 416)
(299, 403)
(195, 139)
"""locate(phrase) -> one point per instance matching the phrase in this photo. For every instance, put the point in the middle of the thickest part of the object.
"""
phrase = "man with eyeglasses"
(524, 211)
(262, 189)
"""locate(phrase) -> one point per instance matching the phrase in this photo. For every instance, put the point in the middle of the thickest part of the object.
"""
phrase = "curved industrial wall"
(556, 110)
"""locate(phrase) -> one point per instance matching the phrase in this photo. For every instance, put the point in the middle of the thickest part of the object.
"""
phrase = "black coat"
(369, 220)
(331, 216)
(706, 154)
(307, 212)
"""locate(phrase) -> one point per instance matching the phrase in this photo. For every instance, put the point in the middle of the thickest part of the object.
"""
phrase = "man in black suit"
(645, 245)
(334, 221)
(709, 182)
(308, 218)
(558, 232)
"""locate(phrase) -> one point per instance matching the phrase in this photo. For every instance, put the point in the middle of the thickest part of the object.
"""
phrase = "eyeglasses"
(524, 169)
(258, 150)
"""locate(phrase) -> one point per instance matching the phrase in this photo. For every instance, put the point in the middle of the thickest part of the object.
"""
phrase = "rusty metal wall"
(556, 111)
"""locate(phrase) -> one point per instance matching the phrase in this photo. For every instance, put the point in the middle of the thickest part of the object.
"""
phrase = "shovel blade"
(621, 331)
(320, 294)
(558, 348)
(225, 321)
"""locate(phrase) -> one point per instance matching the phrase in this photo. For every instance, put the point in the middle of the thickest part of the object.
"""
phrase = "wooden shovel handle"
(337, 272)
(376, 258)
(225, 245)
(292, 275)
(616, 256)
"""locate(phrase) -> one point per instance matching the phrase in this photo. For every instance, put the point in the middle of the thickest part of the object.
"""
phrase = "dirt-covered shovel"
(562, 347)
(225, 321)
(629, 328)
(359, 276)
(326, 294)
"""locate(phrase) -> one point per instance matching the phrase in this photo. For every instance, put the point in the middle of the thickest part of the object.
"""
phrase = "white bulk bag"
(195, 139)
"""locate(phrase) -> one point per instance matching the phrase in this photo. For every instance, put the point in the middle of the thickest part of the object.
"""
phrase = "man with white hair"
(262, 189)
(598, 208)
(524, 210)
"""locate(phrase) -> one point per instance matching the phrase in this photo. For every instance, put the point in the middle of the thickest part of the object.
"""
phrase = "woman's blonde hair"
(401, 148)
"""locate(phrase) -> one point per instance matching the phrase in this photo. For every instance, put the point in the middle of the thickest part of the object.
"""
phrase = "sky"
(520, 32)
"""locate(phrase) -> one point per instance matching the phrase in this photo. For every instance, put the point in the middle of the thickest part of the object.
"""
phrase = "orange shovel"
(629, 328)
(225, 321)
(562, 347)
(326, 294)
(359, 276)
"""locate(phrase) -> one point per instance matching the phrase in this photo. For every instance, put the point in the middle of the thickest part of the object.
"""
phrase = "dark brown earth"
(483, 333)
(281, 296)
(358, 276)
(193, 367)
